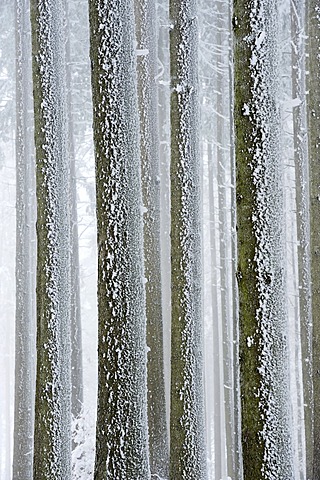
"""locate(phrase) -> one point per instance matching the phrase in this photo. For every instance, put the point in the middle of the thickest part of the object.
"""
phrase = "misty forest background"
(159, 239)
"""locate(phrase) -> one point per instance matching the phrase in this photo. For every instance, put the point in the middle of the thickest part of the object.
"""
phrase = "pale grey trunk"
(25, 252)
(223, 173)
(145, 15)
(52, 442)
(163, 83)
(219, 435)
(76, 332)
(300, 139)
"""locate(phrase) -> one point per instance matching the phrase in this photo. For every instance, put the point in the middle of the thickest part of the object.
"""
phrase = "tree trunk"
(163, 87)
(266, 440)
(76, 332)
(52, 443)
(122, 432)
(313, 22)
(145, 14)
(300, 139)
(25, 252)
(187, 437)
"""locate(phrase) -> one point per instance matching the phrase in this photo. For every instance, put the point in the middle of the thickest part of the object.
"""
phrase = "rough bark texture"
(266, 443)
(145, 14)
(187, 438)
(52, 443)
(122, 433)
(25, 252)
(313, 20)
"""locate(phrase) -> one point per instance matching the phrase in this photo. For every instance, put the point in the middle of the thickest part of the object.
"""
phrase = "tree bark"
(52, 442)
(187, 436)
(145, 15)
(122, 432)
(264, 376)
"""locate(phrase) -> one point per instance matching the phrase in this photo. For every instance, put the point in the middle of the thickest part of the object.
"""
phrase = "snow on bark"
(187, 444)
(25, 252)
(52, 446)
(145, 15)
(263, 324)
(122, 431)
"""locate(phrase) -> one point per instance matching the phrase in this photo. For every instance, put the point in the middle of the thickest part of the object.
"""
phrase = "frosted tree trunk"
(313, 21)
(122, 432)
(145, 14)
(25, 252)
(300, 139)
(52, 442)
(187, 437)
(264, 376)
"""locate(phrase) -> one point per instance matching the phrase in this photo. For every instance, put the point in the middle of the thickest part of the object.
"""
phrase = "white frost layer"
(121, 421)
(263, 111)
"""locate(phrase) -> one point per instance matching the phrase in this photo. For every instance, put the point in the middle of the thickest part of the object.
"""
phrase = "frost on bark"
(187, 437)
(146, 37)
(25, 252)
(122, 433)
(300, 139)
(313, 21)
(52, 442)
(266, 441)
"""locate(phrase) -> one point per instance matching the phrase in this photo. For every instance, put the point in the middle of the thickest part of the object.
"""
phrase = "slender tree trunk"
(187, 437)
(297, 13)
(25, 252)
(163, 83)
(223, 173)
(145, 14)
(266, 440)
(218, 390)
(76, 333)
(52, 443)
(313, 22)
(238, 466)
(122, 433)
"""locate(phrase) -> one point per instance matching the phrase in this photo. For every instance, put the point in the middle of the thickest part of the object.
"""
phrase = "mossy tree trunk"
(122, 432)
(266, 441)
(313, 22)
(145, 15)
(187, 437)
(52, 442)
